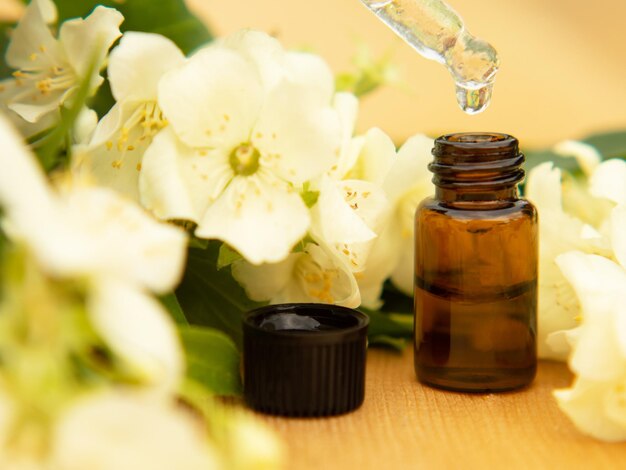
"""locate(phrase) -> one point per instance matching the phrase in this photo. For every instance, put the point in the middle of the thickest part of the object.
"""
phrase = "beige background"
(563, 62)
(563, 69)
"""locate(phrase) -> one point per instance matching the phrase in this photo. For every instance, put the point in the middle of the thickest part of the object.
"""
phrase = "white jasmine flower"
(347, 215)
(352, 209)
(238, 148)
(347, 218)
(275, 65)
(369, 158)
(560, 232)
(406, 184)
(314, 274)
(120, 430)
(114, 154)
(48, 69)
(95, 236)
(596, 402)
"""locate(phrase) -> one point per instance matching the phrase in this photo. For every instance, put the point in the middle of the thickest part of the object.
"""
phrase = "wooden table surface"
(405, 425)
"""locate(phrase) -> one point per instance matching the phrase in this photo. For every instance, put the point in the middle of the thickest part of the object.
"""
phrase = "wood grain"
(404, 424)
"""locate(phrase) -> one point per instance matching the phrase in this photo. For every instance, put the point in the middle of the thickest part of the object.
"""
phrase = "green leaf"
(609, 144)
(171, 18)
(170, 302)
(385, 324)
(389, 342)
(227, 256)
(212, 359)
(394, 300)
(5, 29)
(54, 147)
(210, 297)
(195, 242)
(537, 157)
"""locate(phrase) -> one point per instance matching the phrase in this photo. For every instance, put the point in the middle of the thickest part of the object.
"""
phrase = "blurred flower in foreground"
(596, 402)
(244, 441)
(92, 379)
(48, 69)
(80, 294)
(118, 430)
(249, 124)
(110, 245)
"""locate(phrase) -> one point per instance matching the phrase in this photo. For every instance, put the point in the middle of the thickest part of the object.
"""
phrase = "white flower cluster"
(249, 142)
(582, 281)
(253, 145)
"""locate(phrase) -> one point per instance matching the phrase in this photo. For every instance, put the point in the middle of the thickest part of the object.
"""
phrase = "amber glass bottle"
(476, 268)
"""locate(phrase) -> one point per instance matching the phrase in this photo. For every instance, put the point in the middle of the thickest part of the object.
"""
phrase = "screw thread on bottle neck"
(477, 166)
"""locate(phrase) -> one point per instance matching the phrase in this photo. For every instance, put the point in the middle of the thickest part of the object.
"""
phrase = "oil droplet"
(438, 33)
(474, 100)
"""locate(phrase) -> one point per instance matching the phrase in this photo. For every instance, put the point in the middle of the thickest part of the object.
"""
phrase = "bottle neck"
(453, 195)
(477, 168)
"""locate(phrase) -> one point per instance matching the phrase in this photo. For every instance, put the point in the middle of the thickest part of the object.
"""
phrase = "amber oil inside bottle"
(476, 268)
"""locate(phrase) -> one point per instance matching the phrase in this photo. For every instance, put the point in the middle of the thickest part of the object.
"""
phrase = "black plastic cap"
(304, 359)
